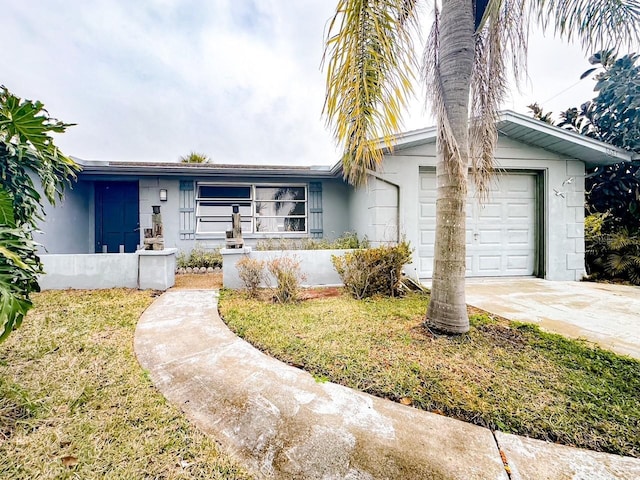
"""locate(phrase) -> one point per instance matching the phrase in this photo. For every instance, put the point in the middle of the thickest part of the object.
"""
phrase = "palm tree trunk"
(447, 310)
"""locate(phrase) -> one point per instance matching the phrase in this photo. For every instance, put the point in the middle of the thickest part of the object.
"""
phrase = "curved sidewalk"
(280, 423)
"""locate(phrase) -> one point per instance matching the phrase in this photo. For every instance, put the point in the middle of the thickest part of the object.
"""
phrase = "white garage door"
(500, 234)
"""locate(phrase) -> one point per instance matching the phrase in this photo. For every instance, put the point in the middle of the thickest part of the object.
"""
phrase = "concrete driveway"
(608, 315)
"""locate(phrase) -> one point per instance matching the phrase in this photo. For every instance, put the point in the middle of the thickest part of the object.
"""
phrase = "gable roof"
(536, 133)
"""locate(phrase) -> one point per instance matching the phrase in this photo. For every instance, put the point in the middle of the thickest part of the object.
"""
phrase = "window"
(280, 209)
(263, 208)
(214, 207)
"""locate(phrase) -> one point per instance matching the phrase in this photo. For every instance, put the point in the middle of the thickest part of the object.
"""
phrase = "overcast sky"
(238, 80)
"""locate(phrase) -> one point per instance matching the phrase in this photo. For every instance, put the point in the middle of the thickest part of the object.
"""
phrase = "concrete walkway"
(606, 314)
(280, 423)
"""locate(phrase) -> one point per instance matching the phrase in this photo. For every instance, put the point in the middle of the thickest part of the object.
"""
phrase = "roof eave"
(595, 152)
(192, 170)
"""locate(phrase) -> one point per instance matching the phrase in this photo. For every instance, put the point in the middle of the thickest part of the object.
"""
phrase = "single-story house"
(532, 224)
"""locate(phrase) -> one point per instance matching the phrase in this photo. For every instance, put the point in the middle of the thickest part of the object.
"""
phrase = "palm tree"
(472, 47)
(195, 157)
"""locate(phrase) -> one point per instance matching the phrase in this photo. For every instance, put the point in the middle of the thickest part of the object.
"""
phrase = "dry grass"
(506, 376)
(198, 281)
(74, 403)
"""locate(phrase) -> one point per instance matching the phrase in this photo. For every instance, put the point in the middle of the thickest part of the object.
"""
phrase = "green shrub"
(593, 224)
(373, 271)
(347, 240)
(252, 274)
(199, 257)
(286, 273)
(611, 255)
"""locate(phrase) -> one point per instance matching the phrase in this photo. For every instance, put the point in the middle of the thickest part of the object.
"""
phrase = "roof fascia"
(616, 154)
(118, 168)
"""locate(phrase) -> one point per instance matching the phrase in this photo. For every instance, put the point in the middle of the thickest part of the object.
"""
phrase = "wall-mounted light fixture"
(163, 194)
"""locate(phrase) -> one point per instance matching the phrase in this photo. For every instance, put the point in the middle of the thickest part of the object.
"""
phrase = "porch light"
(163, 194)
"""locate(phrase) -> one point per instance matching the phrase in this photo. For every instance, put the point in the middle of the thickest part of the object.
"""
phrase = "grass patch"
(503, 375)
(74, 402)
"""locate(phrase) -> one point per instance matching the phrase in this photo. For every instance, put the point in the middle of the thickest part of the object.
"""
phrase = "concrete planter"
(144, 269)
(315, 265)
(156, 269)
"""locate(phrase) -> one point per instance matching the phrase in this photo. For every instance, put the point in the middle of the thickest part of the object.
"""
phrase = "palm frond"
(369, 59)
(597, 24)
(622, 239)
(619, 263)
(500, 48)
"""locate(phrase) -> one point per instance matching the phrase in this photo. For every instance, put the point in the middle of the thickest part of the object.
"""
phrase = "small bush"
(286, 273)
(348, 240)
(199, 257)
(373, 271)
(252, 274)
(613, 255)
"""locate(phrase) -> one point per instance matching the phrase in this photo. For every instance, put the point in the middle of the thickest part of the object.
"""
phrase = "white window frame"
(253, 204)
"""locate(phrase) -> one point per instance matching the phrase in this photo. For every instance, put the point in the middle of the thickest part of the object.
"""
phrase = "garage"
(501, 234)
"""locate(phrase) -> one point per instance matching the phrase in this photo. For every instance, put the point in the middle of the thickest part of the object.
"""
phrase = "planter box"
(316, 265)
(157, 269)
(144, 269)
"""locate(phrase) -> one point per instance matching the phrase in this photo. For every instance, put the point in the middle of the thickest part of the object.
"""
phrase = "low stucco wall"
(89, 271)
(157, 268)
(315, 265)
(144, 269)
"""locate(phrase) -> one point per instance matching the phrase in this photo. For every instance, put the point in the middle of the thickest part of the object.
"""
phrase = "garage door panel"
(519, 238)
(427, 237)
(470, 265)
(426, 263)
(488, 238)
(428, 182)
(489, 264)
(519, 211)
(518, 262)
(500, 235)
(427, 210)
(516, 183)
(468, 236)
(490, 211)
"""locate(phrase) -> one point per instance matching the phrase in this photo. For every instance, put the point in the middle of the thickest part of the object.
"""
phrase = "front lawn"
(74, 403)
(507, 376)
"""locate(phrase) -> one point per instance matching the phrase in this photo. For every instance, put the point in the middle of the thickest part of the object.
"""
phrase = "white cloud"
(239, 81)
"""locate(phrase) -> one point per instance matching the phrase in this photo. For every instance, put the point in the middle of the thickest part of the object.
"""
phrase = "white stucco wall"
(373, 211)
(89, 271)
(144, 269)
(563, 201)
(68, 227)
(315, 266)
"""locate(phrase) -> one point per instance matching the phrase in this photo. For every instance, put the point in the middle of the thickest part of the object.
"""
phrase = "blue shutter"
(315, 210)
(187, 210)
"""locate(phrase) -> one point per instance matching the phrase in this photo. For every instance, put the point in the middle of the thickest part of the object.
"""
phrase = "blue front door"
(117, 216)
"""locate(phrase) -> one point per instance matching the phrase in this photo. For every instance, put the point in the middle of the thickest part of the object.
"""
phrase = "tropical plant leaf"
(370, 62)
(13, 257)
(597, 24)
(6, 209)
(13, 308)
(27, 151)
(25, 121)
(587, 73)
